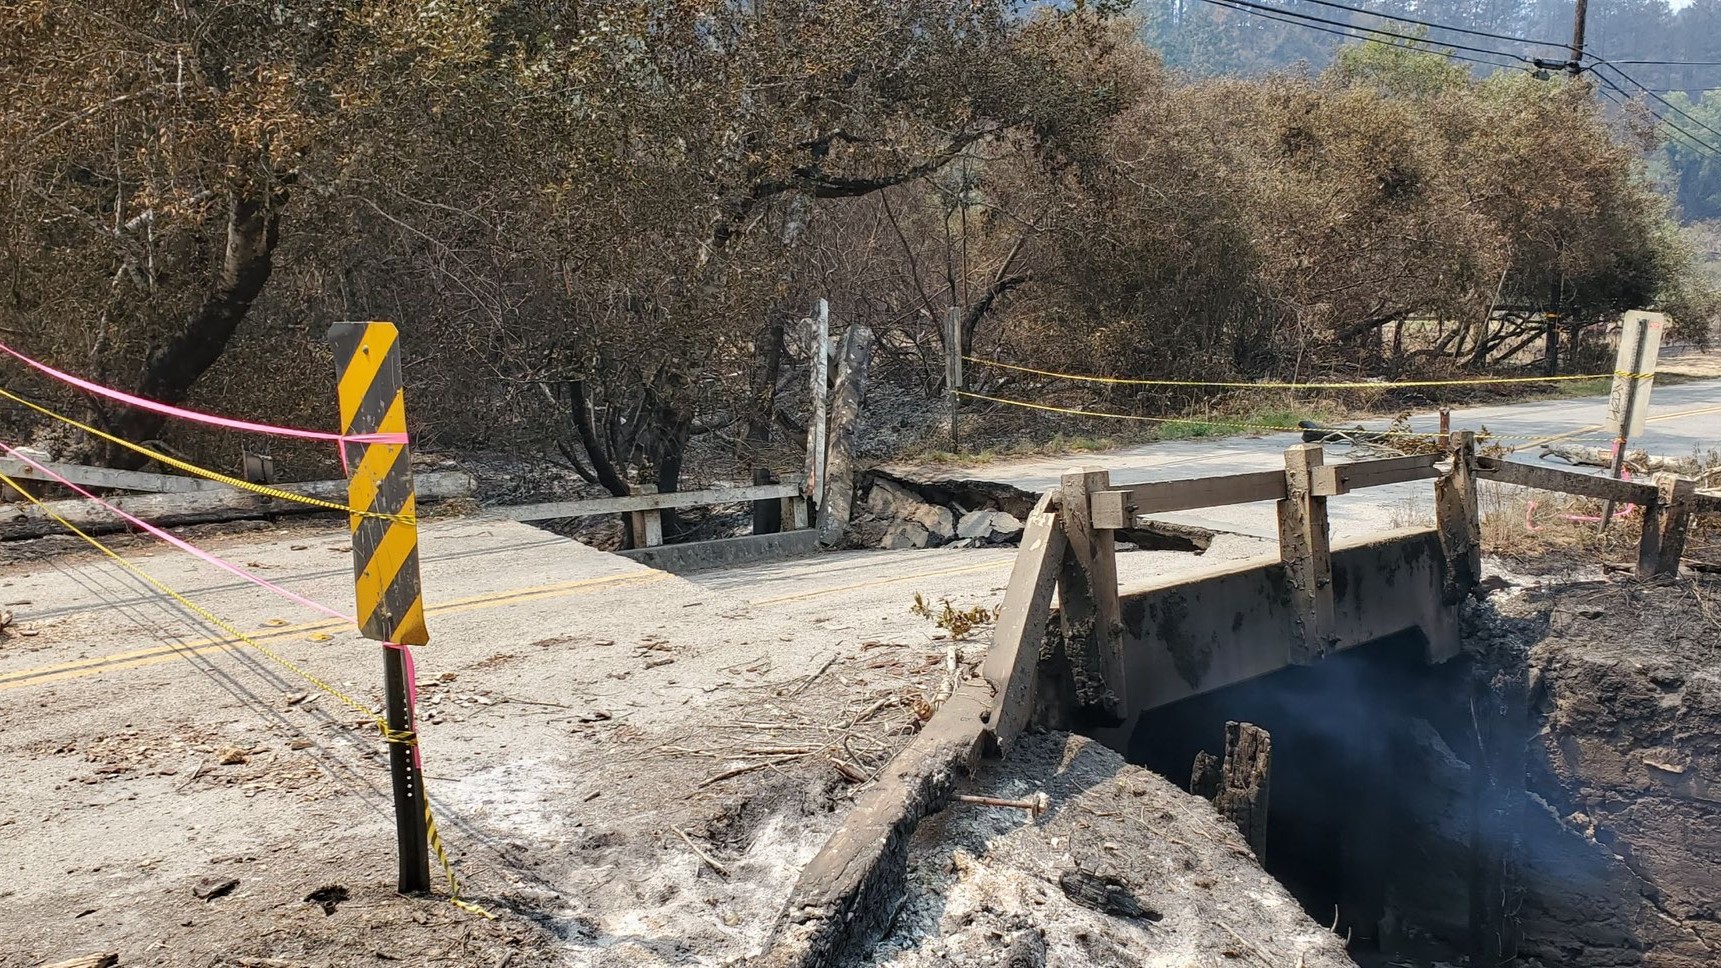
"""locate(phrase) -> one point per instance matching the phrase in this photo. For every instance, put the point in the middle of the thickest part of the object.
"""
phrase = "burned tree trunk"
(253, 232)
(770, 362)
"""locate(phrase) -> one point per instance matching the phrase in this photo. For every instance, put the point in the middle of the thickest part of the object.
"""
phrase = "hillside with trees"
(1644, 57)
(597, 223)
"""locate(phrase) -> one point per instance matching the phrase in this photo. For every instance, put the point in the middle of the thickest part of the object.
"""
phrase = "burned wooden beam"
(1245, 782)
(1011, 663)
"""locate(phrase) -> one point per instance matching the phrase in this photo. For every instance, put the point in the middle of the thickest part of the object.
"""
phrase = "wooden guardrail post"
(1012, 664)
(794, 513)
(647, 525)
(1459, 518)
(1664, 525)
(1304, 547)
(1091, 612)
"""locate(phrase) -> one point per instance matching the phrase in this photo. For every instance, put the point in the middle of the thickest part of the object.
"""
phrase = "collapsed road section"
(1373, 671)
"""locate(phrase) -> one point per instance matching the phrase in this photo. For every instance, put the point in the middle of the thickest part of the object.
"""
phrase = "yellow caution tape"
(442, 858)
(1362, 385)
(402, 737)
(204, 472)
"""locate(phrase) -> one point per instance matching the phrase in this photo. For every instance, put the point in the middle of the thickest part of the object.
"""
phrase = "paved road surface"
(476, 569)
(545, 685)
(1683, 420)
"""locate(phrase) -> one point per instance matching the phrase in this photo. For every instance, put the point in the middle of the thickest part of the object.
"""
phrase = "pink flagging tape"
(228, 423)
(182, 544)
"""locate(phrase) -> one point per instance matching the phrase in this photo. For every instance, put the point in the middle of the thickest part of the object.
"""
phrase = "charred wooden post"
(1459, 519)
(646, 526)
(1012, 664)
(794, 513)
(1305, 550)
(1664, 526)
(1090, 613)
(1498, 804)
(1244, 783)
(834, 511)
(1205, 775)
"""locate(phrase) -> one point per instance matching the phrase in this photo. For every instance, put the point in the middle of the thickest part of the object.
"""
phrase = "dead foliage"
(959, 622)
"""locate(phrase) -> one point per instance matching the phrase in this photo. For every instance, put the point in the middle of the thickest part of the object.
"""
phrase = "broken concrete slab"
(997, 527)
(904, 535)
(940, 522)
(889, 499)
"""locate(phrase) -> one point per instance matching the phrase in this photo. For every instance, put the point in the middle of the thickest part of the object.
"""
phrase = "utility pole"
(1574, 67)
(953, 372)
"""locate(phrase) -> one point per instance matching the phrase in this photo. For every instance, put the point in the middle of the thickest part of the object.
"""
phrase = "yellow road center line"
(1683, 413)
(167, 653)
(1543, 441)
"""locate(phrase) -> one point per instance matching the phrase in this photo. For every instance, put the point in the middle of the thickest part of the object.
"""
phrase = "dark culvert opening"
(1373, 794)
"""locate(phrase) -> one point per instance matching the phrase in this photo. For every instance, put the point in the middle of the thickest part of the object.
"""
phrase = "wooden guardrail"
(202, 506)
(1069, 545)
(86, 476)
(645, 508)
(1126, 507)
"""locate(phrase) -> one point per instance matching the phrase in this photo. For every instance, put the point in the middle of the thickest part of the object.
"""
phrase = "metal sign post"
(1633, 378)
(385, 559)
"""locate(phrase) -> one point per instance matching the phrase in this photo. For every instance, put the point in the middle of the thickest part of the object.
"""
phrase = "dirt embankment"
(1622, 837)
(1576, 815)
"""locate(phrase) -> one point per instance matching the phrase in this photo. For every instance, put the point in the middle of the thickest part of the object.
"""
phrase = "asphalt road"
(546, 684)
(1683, 420)
(511, 569)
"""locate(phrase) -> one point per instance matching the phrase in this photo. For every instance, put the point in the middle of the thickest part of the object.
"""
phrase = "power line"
(1341, 29)
(1668, 63)
(1248, 6)
(1689, 137)
(1345, 33)
(1437, 26)
(1670, 105)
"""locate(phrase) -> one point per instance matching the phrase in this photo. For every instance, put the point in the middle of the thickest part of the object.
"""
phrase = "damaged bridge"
(1074, 651)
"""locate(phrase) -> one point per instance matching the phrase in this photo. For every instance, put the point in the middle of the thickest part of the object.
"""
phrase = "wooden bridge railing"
(1068, 544)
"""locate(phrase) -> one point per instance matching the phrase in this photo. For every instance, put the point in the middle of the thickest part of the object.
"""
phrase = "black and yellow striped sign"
(379, 483)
